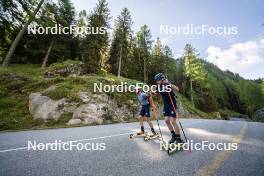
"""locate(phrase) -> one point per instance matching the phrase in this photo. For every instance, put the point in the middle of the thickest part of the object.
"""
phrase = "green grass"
(189, 106)
(226, 114)
(18, 81)
(62, 65)
(14, 113)
(31, 71)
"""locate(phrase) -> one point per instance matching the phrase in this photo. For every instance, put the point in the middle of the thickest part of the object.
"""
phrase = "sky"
(242, 52)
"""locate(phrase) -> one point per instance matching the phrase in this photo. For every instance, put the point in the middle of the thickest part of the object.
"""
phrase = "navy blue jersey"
(166, 95)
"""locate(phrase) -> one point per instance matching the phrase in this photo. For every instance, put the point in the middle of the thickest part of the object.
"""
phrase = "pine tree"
(47, 18)
(97, 44)
(166, 63)
(122, 38)
(19, 36)
(192, 68)
(144, 45)
(157, 47)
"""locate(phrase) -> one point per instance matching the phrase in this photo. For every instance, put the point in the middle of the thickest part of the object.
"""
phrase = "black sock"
(142, 128)
(152, 130)
(173, 134)
(178, 136)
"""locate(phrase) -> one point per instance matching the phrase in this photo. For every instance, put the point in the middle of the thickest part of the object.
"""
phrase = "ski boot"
(175, 144)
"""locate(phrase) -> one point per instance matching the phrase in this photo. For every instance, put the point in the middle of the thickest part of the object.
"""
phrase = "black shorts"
(145, 111)
(169, 111)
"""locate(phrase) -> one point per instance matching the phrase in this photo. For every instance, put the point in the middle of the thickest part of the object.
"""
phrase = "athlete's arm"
(175, 88)
(152, 104)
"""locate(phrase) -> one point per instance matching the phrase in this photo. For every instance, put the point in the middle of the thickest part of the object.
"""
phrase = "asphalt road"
(136, 157)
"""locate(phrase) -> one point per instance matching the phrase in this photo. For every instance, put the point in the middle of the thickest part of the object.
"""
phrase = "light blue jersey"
(143, 98)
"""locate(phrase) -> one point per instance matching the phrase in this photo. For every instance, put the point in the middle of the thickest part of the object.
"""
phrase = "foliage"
(131, 56)
(119, 50)
(96, 45)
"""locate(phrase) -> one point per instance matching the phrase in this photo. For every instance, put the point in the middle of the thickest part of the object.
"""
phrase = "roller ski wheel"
(152, 136)
(134, 135)
(174, 147)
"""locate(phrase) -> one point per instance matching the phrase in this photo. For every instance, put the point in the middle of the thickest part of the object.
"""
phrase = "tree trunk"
(19, 37)
(191, 87)
(119, 64)
(145, 72)
(47, 55)
(139, 58)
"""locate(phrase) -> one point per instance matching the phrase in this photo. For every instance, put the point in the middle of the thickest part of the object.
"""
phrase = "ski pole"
(159, 126)
(160, 131)
(152, 102)
(179, 120)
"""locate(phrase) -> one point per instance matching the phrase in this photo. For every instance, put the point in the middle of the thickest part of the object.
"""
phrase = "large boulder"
(45, 108)
(89, 113)
(100, 107)
(66, 68)
(92, 120)
(94, 109)
(86, 111)
(258, 115)
(74, 122)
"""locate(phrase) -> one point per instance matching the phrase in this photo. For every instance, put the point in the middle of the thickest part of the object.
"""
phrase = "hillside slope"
(220, 91)
(19, 82)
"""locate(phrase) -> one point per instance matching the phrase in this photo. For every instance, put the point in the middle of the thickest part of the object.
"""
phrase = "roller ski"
(174, 145)
(152, 136)
(139, 134)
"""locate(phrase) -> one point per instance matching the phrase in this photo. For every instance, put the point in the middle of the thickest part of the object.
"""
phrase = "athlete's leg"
(141, 122)
(141, 119)
(149, 122)
(176, 133)
(150, 125)
(168, 123)
(174, 123)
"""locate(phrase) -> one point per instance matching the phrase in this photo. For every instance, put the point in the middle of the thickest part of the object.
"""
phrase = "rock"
(45, 108)
(87, 97)
(100, 98)
(258, 115)
(90, 113)
(94, 109)
(84, 96)
(74, 122)
(130, 102)
(70, 107)
(85, 111)
(217, 115)
(51, 88)
(66, 68)
(91, 120)
(183, 112)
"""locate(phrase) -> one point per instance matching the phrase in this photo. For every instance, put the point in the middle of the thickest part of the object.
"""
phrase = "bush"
(258, 116)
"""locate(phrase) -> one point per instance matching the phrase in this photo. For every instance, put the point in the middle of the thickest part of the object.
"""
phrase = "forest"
(120, 51)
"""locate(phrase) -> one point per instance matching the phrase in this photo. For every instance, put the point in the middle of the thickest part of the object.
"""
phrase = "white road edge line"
(81, 140)
(14, 149)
